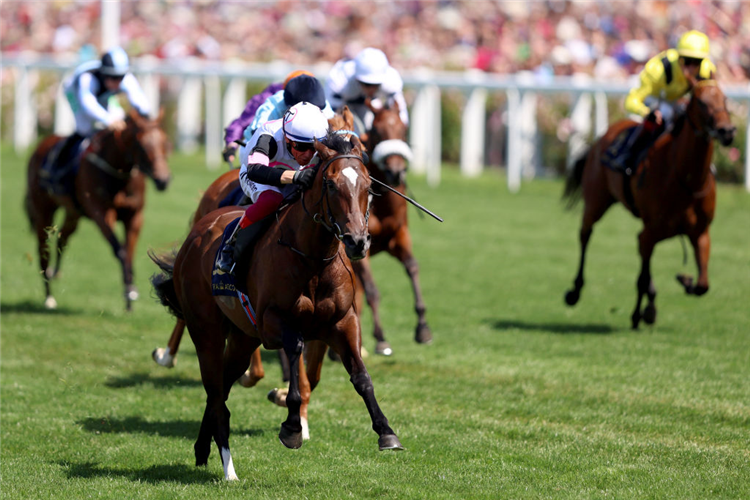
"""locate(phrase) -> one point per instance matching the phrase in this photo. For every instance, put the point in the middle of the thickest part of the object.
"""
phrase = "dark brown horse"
(301, 286)
(389, 225)
(673, 190)
(109, 186)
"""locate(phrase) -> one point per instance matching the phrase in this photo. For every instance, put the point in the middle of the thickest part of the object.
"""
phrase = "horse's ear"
(348, 118)
(357, 146)
(324, 151)
(160, 116)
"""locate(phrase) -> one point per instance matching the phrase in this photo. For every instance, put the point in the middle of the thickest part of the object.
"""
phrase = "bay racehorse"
(224, 188)
(389, 225)
(673, 190)
(109, 186)
(301, 285)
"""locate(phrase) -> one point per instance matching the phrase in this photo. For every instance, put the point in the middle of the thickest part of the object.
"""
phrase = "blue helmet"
(304, 88)
(115, 63)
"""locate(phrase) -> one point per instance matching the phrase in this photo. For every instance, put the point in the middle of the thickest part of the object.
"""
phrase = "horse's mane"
(337, 142)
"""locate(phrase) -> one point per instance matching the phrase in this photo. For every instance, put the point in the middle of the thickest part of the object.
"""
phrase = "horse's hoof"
(700, 290)
(423, 335)
(389, 442)
(635, 320)
(50, 273)
(248, 379)
(572, 296)
(292, 440)
(383, 348)
(162, 357)
(687, 283)
(649, 314)
(278, 397)
(50, 303)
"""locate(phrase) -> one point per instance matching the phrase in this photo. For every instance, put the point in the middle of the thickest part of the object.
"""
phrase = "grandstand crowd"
(605, 39)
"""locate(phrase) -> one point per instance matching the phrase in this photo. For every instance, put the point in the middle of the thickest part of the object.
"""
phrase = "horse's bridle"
(331, 226)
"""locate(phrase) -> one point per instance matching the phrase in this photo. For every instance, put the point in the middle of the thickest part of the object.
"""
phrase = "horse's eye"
(331, 186)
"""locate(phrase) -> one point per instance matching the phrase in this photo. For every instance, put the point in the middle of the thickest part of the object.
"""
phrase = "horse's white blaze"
(351, 175)
(50, 303)
(226, 458)
(305, 429)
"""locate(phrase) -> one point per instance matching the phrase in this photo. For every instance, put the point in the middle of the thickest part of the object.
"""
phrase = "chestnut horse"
(389, 153)
(218, 191)
(301, 286)
(107, 188)
(673, 190)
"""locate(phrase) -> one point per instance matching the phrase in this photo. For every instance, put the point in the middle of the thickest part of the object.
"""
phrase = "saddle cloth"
(224, 283)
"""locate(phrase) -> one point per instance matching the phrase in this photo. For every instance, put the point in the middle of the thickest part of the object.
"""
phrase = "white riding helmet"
(371, 66)
(305, 122)
(115, 63)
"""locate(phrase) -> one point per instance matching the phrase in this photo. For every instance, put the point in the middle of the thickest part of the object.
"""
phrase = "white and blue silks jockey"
(369, 75)
(89, 90)
(302, 88)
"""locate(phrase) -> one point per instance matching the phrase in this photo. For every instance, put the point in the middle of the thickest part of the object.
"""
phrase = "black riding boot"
(225, 263)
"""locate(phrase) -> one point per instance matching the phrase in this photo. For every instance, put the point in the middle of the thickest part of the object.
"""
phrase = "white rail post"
(528, 149)
(472, 133)
(580, 120)
(189, 114)
(747, 149)
(110, 24)
(65, 122)
(514, 140)
(601, 122)
(213, 121)
(420, 118)
(434, 142)
(150, 85)
(234, 100)
(24, 132)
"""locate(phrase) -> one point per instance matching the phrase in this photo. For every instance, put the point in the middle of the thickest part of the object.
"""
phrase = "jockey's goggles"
(692, 61)
(303, 147)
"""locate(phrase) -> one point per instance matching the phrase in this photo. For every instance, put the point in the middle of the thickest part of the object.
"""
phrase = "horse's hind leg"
(645, 285)
(69, 227)
(364, 274)
(595, 207)
(133, 226)
(43, 220)
(346, 340)
(255, 373)
(167, 356)
(209, 346)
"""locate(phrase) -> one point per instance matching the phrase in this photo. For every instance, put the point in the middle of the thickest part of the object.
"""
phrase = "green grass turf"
(518, 397)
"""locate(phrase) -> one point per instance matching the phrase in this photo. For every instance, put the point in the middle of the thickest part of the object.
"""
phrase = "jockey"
(88, 91)
(234, 130)
(286, 144)
(664, 80)
(302, 88)
(368, 75)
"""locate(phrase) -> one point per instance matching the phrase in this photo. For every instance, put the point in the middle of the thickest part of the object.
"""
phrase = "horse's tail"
(163, 282)
(572, 191)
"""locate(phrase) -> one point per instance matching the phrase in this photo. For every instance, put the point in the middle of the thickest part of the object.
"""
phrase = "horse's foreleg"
(364, 274)
(702, 249)
(347, 342)
(167, 356)
(644, 284)
(237, 355)
(291, 430)
(133, 227)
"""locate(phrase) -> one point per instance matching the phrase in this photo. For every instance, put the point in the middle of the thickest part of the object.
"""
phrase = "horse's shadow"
(560, 328)
(137, 425)
(138, 379)
(28, 306)
(155, 474)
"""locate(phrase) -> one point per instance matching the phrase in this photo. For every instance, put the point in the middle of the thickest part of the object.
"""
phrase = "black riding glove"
(228, 151)
(304, 178)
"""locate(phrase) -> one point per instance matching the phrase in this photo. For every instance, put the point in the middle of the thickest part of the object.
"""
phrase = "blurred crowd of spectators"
(606, 39)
